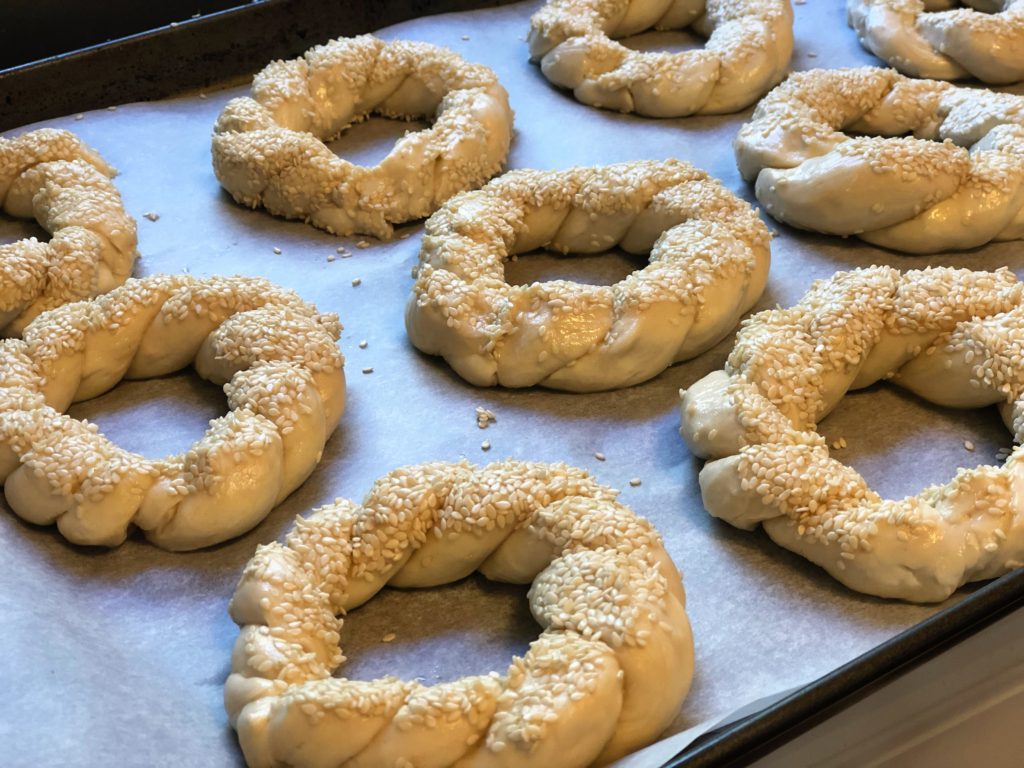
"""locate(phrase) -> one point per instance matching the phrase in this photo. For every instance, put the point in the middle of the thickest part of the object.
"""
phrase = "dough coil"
(608, 673)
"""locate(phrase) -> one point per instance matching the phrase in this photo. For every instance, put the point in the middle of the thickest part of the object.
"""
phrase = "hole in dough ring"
(281, 368)
(749, 44)
(51, 176)
(607, 675)
(953, 337)
(949, 44)
(956, 182)
(709, 256)
(268, 149)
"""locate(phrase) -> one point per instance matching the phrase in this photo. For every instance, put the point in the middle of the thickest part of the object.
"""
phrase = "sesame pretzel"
(607, 675)
(958, 184)
(709, 255)
(50, 175)
(953, 337)
(749, 43)
(276, 356)
(984, 40)
(269, 149)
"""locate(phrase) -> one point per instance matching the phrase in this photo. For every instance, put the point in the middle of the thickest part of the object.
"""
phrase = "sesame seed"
(599, 456)
(331, 257)
(356, 282)
(151, 216)
(634, 482)
(277, 251)
(485, 417)
(465, 37)
(363, 344)
(367, 370)
(388, 637)
(363, 244)
(79, 116)
(968, 445)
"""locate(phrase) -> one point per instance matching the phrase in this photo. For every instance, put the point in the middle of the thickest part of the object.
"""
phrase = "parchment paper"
(118, 657)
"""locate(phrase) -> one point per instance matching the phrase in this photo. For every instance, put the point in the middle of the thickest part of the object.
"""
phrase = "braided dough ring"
(269, 149)
(950, 45)
(281, 368)
(50, 175)
(918, 195)
(747, 52)
(709, 255)
(607, 675)
(953, 337)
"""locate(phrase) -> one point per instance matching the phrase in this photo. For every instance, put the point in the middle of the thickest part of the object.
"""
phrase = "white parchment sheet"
(118, 657)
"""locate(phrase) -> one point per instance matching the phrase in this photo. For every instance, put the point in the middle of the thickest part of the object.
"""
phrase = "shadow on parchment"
(482, 622)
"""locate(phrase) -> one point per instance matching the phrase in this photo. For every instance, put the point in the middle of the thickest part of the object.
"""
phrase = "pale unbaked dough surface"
(123, 654)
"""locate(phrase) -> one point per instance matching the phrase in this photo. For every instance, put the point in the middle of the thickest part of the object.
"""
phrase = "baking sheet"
(121, 655)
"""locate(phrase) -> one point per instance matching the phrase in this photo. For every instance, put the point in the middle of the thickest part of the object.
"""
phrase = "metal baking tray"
(193, 53)
(746, 740)
(230, 45)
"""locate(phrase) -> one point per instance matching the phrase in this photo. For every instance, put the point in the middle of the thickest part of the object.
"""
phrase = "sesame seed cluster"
(285, 387)
(749, 43)
(954, 337)
(956, 183)
(984, 40)
(608, 673)
(268, 149)
(708, 254)
(51, 176)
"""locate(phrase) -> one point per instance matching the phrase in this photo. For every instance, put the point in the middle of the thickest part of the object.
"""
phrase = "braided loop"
(269, 149)
(709, 255)
(50, 175)
(957, 183)
(953, 337)
(984, 40)
(749, 43)
(276, 356)
(609, 671)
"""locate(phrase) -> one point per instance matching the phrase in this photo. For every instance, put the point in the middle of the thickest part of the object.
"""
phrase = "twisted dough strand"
(957, 184)
(608, 673)
(50, 175)
(269, 149)
(949, 44)
(709, 255)
(747, 52)
(276, 356)
(954, 337)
